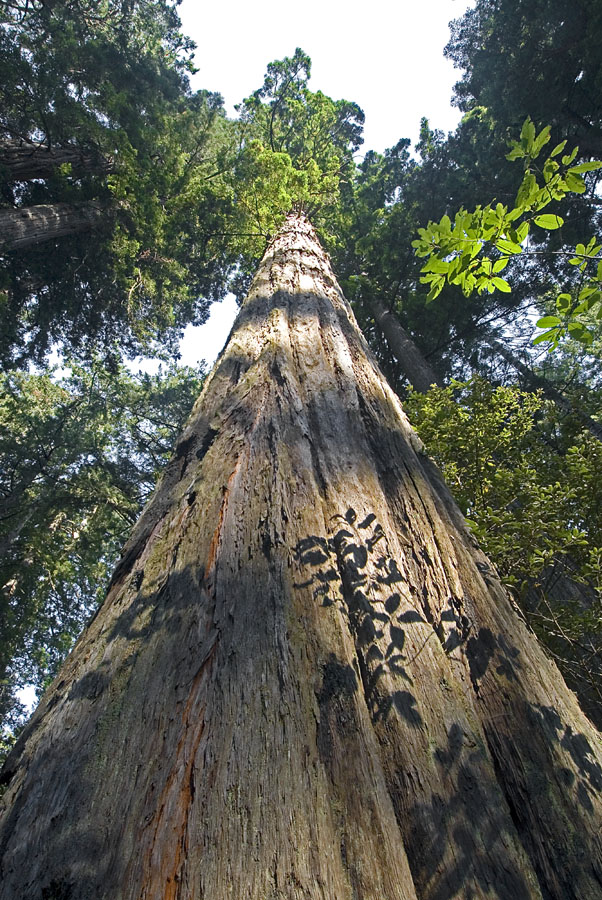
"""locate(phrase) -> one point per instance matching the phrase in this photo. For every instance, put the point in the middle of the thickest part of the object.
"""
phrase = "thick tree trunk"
(415, 367)
(537, 382)
(306, 681)
(30, 225)
(24, 161)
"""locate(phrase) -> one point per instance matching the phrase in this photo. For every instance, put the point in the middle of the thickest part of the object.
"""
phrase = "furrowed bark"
(413, 363)
(27, 226)
(306, 681)
(24, 161)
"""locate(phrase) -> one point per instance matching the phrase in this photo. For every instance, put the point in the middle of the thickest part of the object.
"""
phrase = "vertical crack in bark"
(166, 855)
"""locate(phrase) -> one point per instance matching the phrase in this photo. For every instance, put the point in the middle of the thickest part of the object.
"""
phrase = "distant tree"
(79, 455)
(110, 204)
(526, 58)
(527, 479)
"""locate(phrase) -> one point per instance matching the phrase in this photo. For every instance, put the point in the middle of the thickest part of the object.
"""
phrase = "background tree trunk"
(306, 681)
(23, 227)
(414, 364)
(24, 161)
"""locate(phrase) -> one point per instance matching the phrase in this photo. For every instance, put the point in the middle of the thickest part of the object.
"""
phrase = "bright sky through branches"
(386, 56)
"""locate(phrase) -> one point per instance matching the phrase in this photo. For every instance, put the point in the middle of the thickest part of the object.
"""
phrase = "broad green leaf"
(563, 302)
(589, 303)
(548, 322)
(590, 166)
(522, 231)
(551, 335)
(500, 264)
(558, 148)
(587, 291)
(568, 159)
(435, 290)
(549, 222)
(517, 152)
(502, 285)
(542, 138)
(527, 191)
(575, 184)
(436, 265)
(579, 332)
(508, 246)
(527, 134)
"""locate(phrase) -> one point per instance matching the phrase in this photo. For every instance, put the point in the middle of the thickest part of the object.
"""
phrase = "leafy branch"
(473, 250)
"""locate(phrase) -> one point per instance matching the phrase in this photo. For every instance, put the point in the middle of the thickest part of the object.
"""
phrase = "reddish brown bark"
(306, 681)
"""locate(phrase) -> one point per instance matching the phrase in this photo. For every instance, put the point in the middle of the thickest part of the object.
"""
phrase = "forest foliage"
(165, 204)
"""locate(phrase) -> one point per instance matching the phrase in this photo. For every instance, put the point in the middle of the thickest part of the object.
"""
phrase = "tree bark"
(414, 365)
(24, 161)
(27, 226)
(306, 681)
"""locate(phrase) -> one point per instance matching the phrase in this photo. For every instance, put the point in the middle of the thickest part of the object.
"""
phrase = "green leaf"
(548, 322)
(500, 264)
(527, 134)
(563, 302)
(568, 159)
(435, 290)
(558, 149)
(590, 166)
(522, 231)
(502, 285)
(435, 264)
(542, 138)
(527, 191)
(551, 335)
(549, 221)
(587, 291)
(508, 246)
(580, 333)
(575, 184)
(517, 152)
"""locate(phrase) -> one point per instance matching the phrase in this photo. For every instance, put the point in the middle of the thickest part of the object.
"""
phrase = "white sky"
(387, 56)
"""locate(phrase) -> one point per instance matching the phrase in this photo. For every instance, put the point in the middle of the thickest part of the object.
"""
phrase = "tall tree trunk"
(413, 363)
(24, 161)
(26, 226)
(538, 382)
(306, 681)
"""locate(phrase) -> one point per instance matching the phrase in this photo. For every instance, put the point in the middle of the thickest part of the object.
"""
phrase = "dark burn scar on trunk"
(210, 436)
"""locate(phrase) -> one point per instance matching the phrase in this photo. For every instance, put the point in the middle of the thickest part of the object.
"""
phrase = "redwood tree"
(306, 680)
